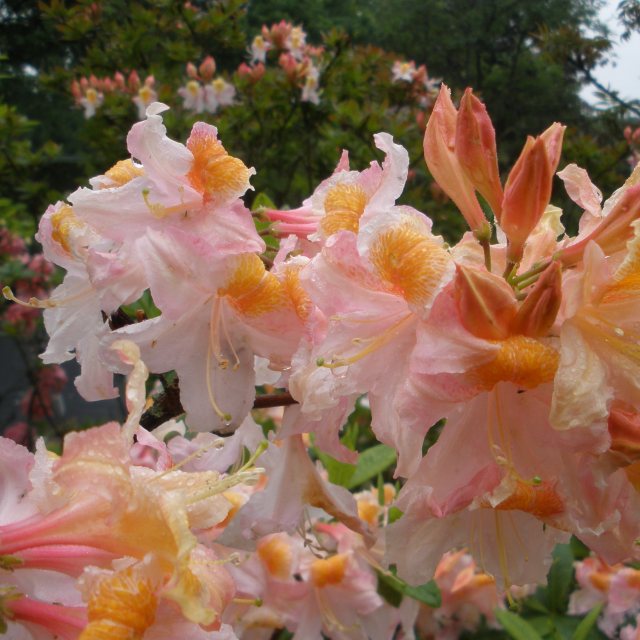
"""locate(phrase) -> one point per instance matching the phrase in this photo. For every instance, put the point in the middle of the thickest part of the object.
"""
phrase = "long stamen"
(375, 344)
(214, 347)
(36, 303)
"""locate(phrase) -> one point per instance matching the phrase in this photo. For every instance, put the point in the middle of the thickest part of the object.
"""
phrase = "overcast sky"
(623, 72)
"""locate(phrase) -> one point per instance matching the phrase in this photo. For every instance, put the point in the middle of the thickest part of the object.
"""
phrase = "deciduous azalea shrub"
(501, 375)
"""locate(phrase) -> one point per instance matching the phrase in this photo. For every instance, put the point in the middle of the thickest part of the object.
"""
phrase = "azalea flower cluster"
(616, 590)
(300, 61)
(137, 538)
(424, 88)
(204, 93)
(89, 92)
(521, 339)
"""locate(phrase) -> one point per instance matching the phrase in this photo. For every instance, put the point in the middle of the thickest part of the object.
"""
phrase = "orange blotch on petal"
(540, 501)
(411, 262)
(123, 171)
(343, 205)
(251, 289)
(329, 571)
(276, 555)
(526, 362)
(123, 606)
(218, 176)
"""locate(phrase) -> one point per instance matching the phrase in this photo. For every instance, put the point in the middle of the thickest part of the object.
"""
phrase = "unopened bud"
(192, 72)
(441, 159)
(539, 310)
(207, 68)
(486, 303)
(476, 150)
(526, 195)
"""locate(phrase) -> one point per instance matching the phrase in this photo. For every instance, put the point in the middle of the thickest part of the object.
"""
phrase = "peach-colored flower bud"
(119, 80)
(84, 83)
(76, 92)
(612, 233)
(207, 68)
(539, 310)
(439, 153)
(134, 81)
(149, 81)
(192, 72)
(526, 195)
(93, 81)
(252, 73)
(107, 85)
(476, 150)
(289, 65)
(485, 301)
(552, 138)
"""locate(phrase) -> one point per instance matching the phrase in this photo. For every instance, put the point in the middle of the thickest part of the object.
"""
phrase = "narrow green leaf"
(339, 472)
(428, 594)
(559, 578)
(371, 462)
(587, 623)
(388, 590)
(516, 627)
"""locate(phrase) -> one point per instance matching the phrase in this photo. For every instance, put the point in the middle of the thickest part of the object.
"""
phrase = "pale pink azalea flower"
(292, 474)
(146, 97)
(296, 42)
(310, 91)
(468, 596)
(404, 71)
(235, 309)
(91, 101)
(383, 296)
(340, 201)
(193, 96)
(258, 49)
(218, 93)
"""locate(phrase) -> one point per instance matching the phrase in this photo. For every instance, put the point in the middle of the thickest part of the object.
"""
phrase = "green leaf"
(262, 200)
(339, 472)
(428, 594)
(560, 578)
(371, 462)
(394, 514)
(392, 588)
(587, 623)
(516, 627)
(388, 590)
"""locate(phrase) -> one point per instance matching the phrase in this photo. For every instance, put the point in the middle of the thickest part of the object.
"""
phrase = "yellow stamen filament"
(122, 607)
(214, 349)
(251, 290)
(277, 557)
(36, 303)
(524, 361)
(343, 205)
(329, 571)
(373, 345)
(215, 173)
(410, 262)
(124, 171)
